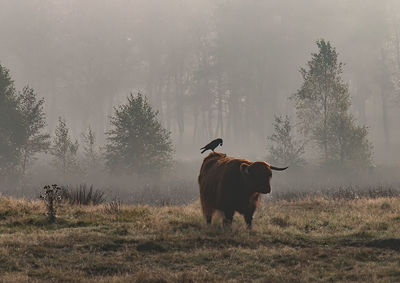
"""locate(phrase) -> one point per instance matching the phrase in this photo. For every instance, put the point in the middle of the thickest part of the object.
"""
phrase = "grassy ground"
(304, 240)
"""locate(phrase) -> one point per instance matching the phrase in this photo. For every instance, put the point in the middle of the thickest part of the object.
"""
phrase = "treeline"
(138, 143)
(212, 68)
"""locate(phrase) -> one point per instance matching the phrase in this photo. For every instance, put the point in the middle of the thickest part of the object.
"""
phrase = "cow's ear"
(244, 168)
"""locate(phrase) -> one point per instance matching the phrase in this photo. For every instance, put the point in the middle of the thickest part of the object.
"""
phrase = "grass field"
(299, 241)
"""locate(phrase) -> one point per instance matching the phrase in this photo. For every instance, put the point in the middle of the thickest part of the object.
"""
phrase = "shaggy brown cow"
(230, 184)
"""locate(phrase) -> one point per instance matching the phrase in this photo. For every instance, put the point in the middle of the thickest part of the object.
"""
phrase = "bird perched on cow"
(212, 145)
(230, 184)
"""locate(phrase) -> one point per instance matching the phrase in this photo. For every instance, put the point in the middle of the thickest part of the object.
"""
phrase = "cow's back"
(219, 178)
(209, 178)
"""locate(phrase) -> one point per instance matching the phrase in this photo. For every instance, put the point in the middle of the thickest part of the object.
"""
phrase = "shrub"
(284, 149)
(51, 195)
(137, 142)
(113, 207)
(82, 195)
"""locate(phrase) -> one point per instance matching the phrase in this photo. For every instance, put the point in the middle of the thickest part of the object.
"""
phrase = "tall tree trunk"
(325, 94)
(168, 102)
(195, 122)
(362, 92)
(25, 160)
(209, 123)
(386, 88)
(385, 118)
(325, 128)
(220, 123)
(397, 50)
(179, 105)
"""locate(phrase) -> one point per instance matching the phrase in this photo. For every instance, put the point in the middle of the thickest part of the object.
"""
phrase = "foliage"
(322, 105)
(33, 116)
(113, 207)
(22, 121)
(348, 142)
(284, 149)
(11, 126)
(82, 195)
(91, 155)
(51, 195)
(63, 149)
(137, 141)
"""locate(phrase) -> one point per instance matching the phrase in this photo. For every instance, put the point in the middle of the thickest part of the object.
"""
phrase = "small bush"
(82, 195)
(113, 207)
(51, 195)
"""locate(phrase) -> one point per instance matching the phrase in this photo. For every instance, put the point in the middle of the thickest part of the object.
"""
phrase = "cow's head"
(258, 175)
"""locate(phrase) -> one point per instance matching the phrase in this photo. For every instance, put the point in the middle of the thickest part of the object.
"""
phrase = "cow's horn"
(278, 168)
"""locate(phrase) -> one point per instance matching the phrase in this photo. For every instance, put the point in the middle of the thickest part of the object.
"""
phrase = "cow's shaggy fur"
(230, 184)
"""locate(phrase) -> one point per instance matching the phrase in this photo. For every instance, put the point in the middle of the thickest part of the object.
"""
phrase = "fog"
(211, 68)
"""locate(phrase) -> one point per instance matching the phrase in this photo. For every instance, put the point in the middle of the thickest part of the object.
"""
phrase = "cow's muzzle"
(265, 190)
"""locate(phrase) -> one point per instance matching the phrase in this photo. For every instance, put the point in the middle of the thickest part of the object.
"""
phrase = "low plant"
(113, 207)
(83, 195)
(52, 196)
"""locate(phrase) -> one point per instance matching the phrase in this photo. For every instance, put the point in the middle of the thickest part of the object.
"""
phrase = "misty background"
(211, 68)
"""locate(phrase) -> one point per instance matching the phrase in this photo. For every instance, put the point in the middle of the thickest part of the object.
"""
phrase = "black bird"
(212, 145)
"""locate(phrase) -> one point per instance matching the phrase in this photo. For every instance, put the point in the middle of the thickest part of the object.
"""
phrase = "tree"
(137, 141)
(322, 105)
(91, 154)
(11, 126)
(33, 118)
(349, 144)
(63, 149)
(284, 149)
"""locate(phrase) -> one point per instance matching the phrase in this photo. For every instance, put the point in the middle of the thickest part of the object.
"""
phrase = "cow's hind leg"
(228, 217)
(248, 218)
(208, 214)
(207, 211)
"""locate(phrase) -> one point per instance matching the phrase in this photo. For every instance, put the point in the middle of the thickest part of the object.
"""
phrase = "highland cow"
(230, 184)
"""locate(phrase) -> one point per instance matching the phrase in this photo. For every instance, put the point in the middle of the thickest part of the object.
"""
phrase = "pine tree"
(91, 155)
(63, 149)
(137, 141)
